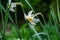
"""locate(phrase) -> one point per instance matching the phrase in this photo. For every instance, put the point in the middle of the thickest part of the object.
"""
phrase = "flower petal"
(12, 7)
(35, 20)
(30, 13)
(33, 23)
(25, 16)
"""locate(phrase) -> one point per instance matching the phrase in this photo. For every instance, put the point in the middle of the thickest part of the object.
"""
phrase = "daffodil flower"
(13, 5)
(31, 17)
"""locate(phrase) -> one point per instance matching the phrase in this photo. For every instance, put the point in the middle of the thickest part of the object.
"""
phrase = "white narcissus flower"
(31, 17)
(13, 5)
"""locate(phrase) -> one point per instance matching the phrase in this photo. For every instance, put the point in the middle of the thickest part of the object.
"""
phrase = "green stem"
(3, 32)
(9, 16)
(58, 10)
(32, 27)
(29, 5)
(17, 30)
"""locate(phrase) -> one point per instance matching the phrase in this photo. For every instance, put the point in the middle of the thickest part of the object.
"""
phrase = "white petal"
(33, 23)
(36, 20)
(25, 16)
(13, 5)
(12, 9)
(30, 13)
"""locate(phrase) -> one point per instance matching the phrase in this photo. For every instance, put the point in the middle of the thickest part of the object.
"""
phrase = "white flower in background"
(31, 17)
(13, 5)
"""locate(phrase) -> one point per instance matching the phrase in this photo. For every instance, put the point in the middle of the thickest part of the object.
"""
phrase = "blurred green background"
(21, 29)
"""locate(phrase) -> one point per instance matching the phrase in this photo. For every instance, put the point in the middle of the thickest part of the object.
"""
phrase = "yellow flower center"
(29, 19)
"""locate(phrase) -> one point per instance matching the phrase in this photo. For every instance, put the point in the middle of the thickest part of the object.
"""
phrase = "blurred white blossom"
(13, 5)
(31, 17)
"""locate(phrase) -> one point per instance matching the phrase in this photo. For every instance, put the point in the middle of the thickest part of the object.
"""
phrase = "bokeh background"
(22, 27)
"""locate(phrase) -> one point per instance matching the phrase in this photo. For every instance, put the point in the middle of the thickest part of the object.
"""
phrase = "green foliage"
(47, 31)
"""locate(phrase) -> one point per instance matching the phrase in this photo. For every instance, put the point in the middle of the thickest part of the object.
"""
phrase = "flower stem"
(32, 27)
